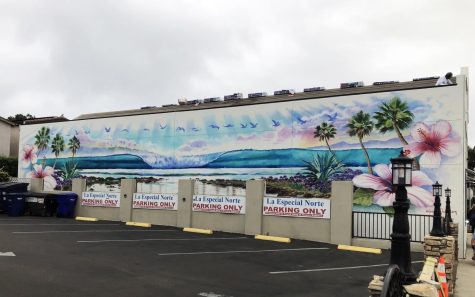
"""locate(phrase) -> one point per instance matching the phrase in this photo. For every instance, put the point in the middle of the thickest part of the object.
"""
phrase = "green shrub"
(4, 177)
(9, 165)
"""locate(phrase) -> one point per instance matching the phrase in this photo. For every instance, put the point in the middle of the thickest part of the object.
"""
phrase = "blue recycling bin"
(66, 204)
(15, 204)
(9, 187)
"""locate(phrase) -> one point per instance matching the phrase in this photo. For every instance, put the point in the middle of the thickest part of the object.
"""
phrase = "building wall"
(277, 142)
(14, 141)
(5, 131)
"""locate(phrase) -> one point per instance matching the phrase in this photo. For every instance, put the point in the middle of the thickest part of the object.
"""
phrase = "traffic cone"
(442, 277)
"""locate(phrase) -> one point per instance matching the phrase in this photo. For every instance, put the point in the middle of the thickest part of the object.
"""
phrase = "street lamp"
(448, 211)
(437, 221)
(400, 237)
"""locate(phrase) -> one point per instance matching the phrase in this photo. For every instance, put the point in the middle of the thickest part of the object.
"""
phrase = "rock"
(425, 290)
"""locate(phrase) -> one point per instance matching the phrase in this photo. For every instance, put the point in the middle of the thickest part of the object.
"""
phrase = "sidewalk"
(466, 274)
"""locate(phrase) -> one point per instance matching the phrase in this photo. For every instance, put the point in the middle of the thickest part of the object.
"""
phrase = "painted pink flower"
(30, 155)
(46, 174)
(432, 142)
(382, 183)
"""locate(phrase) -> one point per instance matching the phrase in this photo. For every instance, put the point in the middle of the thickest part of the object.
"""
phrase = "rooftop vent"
(314, 89)
(284, 92)
(212, 99)
(389, 82)
(235, 96)
(256, 95)
(426, 78)
(355, 84)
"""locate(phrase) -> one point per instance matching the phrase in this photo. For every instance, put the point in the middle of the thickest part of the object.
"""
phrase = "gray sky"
(74, 57)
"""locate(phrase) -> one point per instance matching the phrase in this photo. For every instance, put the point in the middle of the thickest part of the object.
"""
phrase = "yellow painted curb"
(87, 219)
(196, 230)
(273, 238)
(359, 249)
(137, 224)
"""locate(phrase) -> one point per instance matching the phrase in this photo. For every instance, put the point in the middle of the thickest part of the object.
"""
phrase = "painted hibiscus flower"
(30, 155)
(432, 142)
(382, 183)
(46, 174)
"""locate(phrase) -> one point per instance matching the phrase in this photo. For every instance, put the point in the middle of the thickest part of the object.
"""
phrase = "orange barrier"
(441, 277)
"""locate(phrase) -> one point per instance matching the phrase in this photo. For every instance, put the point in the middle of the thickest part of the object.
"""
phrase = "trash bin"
(15, 204)
(40, 204)
(9, 187)
(66, 204)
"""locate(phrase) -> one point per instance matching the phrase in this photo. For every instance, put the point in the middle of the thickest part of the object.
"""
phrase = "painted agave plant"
(323, 167)
(70, 170)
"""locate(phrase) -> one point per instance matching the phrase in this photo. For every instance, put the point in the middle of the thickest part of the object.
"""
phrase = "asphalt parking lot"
(64, 257)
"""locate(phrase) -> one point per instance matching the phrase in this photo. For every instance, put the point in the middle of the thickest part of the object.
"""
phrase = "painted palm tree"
(394, 116)
(325, 132)
(361, 125)
(42, 139)
(74, 144)
(57, 146)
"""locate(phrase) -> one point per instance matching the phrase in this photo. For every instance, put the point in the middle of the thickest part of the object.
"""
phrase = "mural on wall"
(299, 147)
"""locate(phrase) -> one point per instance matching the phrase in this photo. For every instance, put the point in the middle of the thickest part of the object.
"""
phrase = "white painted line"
(159, 239)
(211, 294)
(332, 269)
(90, 231)
(237, 252)
(79, 224)
(7, 254)
(39, 219)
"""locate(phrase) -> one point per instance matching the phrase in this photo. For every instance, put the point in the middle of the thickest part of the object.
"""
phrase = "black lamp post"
(400, 237)
(448, 211)
(437, 222)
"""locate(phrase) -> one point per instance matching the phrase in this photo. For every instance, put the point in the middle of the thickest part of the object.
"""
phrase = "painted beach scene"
(298, 147)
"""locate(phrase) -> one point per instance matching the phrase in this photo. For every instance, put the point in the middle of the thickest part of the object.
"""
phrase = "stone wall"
(446, 247)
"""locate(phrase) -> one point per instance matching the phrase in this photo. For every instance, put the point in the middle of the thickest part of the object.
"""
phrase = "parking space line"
(59, 224)
(332, 269)
(159, 239)
(249, 251)
(7, 254)
(89, 231)
(38, 219)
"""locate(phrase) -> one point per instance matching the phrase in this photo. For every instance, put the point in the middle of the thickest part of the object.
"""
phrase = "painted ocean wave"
(277, 158)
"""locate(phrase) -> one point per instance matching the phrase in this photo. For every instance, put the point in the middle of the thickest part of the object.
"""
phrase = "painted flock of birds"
(250, 125)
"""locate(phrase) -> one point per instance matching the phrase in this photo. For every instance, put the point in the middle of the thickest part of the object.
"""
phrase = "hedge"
(9, 165)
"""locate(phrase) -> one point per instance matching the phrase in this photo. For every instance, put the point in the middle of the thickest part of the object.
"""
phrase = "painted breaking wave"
(278, 158)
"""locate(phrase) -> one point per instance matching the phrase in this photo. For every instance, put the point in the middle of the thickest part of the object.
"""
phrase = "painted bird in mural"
(180, 129)
(301, 121)
(107, 129)
(253, 125)
(275, 123)
(146, 129)
(125, 130)
(214, 126)
(195, 129)
(87, 131)
(229, 126)
(162, 127)
(243, 126)
(332, 118)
